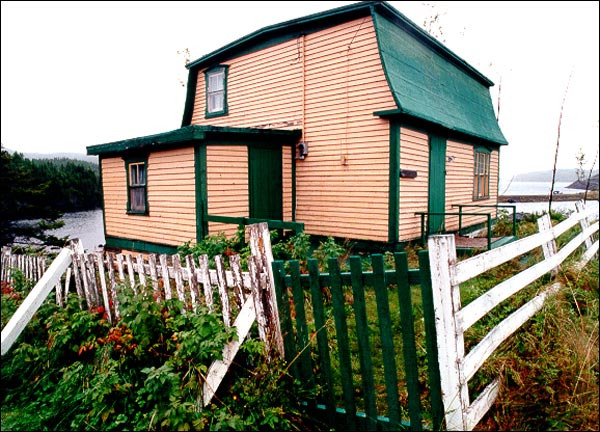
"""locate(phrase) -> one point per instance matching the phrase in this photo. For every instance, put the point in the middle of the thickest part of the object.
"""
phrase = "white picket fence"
(31, 267)
(243, 296)
(452, 320)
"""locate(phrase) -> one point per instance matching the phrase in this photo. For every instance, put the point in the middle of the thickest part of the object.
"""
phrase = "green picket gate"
(350, 337)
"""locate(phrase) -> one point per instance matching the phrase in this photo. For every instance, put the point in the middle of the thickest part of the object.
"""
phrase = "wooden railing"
(494, 206)
(451, 320)
(425, 232)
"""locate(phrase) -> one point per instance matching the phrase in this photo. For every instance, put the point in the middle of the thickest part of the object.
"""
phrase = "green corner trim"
(139, 245)
(394, 188)
(201, 192)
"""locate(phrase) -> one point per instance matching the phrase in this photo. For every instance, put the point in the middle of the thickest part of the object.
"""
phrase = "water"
(88, 226)
(542, 188)
(533, 188)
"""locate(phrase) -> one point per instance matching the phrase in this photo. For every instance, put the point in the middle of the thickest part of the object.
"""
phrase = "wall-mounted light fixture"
(301, 150)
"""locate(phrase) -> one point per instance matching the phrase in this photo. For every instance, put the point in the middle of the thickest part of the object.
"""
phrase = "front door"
(437, 183)
(265, 181)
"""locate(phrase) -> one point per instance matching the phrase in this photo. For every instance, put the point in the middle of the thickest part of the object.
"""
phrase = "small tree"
(580, 157)
(562, 106)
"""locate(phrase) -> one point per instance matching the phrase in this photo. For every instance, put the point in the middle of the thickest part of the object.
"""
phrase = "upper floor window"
(481, 178)
(137, 202)
(216, 91)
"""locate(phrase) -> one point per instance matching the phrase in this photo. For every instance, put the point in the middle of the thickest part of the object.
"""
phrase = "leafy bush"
(74, 371)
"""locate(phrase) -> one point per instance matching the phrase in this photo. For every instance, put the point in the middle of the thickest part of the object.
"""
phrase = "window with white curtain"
(216, 91)
(481, 178)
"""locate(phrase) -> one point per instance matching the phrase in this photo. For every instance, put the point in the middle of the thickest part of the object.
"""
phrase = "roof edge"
(400, 114)
(191, 134)
(361, 8)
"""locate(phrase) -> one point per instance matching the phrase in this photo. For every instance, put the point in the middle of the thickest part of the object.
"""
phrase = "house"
(350, 122)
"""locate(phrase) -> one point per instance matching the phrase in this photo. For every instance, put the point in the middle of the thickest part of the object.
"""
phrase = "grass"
(550, 368)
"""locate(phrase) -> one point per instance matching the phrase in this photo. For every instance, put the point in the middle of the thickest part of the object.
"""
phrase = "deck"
(463, 242)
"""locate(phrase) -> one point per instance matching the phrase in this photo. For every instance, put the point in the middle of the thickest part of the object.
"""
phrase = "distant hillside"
(75, 156)
(562, 175)
(589, 184)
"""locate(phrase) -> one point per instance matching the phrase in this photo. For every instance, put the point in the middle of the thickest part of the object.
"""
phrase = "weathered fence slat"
(253, 270)
(164, 268)
(452, 320)
(32, 302)
(206, 284)
(139, 260)
(179, 279)
(219, 368)
(238, 283)
(260, 246)
(131, 273)
(104, 287)
(110, 265)
(154, 276)
(192, 281)
(222, 286)
(120, 267)
(549, 248)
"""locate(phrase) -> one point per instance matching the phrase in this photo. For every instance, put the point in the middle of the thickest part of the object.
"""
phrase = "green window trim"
(481, 173)
(216, 91)
(136, 171)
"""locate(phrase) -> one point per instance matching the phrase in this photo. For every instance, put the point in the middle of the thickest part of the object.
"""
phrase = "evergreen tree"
(35, 194)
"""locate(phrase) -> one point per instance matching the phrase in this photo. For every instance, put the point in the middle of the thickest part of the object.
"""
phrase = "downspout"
(302, 54)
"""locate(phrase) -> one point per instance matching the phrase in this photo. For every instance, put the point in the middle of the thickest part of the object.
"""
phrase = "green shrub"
(145, 372)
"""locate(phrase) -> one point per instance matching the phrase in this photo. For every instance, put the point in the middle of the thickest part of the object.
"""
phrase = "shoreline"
(591, 195)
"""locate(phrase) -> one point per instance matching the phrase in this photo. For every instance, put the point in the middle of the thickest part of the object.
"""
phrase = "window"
(216, 91)
(481, 180)
(136, 186)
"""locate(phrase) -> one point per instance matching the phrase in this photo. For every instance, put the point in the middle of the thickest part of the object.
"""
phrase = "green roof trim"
(434, 87)
(187, 135)
(428, 81)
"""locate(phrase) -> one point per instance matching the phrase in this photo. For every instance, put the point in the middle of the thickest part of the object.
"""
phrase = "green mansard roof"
(429, 82)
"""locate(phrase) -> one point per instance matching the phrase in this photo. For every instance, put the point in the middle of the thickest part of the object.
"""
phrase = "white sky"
(76, 74)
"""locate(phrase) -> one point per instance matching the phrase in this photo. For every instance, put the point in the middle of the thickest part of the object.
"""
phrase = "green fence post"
(306, 374)
(409, 347)
(322, 339)
(283, 304)
(435, 389)
(341, 329)
(387, 340)
(364, 347)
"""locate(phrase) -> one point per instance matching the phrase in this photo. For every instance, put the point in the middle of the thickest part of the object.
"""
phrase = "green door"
(437, 183)
(265, 181)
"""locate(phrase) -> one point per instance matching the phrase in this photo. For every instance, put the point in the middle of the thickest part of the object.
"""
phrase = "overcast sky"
(76, 74)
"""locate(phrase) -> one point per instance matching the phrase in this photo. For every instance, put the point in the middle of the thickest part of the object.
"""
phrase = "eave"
(190, 135)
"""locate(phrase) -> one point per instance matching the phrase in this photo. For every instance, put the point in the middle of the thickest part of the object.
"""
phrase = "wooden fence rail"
(451, 319)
